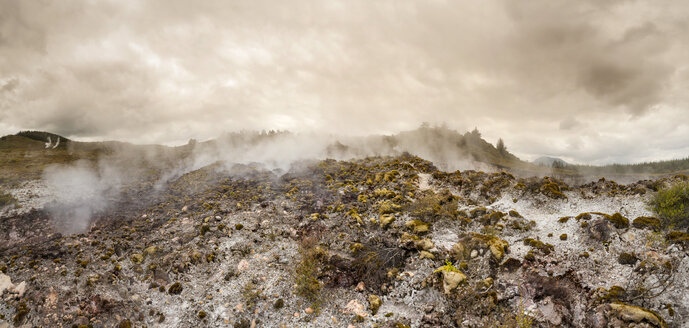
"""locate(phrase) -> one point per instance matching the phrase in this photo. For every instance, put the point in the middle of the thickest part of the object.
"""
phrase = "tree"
(500, 145)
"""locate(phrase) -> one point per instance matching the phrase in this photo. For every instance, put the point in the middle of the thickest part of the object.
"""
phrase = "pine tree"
(500, 145)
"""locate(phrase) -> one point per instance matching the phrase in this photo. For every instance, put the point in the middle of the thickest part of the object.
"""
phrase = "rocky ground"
(376, 242)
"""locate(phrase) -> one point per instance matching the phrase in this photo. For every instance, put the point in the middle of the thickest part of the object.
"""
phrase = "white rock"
(355, 307)
(243, 265)
(360, 287)
(19, 289)
(5, 283)
(474, 253)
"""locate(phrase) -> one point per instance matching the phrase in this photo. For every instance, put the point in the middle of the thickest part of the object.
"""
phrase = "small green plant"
(448, 267)
(672, 205)
(522, 317)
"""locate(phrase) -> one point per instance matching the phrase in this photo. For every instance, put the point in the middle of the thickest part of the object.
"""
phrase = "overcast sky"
(587, 80)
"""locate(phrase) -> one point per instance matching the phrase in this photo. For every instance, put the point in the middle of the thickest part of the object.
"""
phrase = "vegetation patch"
(677, 237)
(307, 270)
(539, 245)
(647, 222)
(672, 205)
(619, 221)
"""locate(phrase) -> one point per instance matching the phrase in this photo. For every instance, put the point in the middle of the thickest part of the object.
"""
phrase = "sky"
(588, 81)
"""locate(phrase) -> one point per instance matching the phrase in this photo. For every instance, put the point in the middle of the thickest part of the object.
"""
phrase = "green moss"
(22, 312)
(418, 226)
(644, 222)
(175, 289)
(677, 237)
(238, 226)
(539, 245)
(497, 246)
(6, 199)
(614, 294)
(619, 221)
(492, 218)
(125, 324)
(627, 258)
(563, 219)
(477, 212)
(374, 303)
(637, 314)
(563, 236)
(583, 216)
(386, 220)
(136, 258)
(202, 315)
(356, 247)
(204, 229)
(279, 304)
(515, 214)
(552, 190)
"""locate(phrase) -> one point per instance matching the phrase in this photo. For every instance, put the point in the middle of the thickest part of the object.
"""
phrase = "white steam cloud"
(80, 191)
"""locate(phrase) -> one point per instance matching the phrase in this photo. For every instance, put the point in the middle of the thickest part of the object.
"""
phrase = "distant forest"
(659, 167)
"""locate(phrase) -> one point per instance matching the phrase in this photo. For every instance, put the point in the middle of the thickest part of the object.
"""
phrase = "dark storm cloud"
(567, 78)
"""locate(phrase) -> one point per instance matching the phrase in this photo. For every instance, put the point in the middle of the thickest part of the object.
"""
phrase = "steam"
(85, 189)
(81, 191)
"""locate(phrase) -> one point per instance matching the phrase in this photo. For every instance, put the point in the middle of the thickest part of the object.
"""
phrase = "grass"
(672, 205)
(306, 272)
(6, 199)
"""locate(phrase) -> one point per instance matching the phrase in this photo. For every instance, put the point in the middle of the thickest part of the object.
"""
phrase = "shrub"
(307, 270)
(672, 205)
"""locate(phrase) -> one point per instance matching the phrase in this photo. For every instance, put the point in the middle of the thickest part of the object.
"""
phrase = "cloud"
(167, 71)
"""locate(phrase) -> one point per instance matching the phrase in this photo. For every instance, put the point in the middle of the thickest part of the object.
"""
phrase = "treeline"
(42, 136)
(658, 167)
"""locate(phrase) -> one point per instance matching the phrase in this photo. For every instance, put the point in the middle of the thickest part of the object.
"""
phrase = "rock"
(426, 255)
(308, 310)
(5, 283)
(242, 266)
(354, 307)
(185, 208)
(600, 230)
(457, 251)
(452, 279)
(549, 312)
(360, 287)
(374, 303)
(474, 253)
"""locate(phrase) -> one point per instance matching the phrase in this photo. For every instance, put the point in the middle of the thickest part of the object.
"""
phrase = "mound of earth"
(375, 242)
